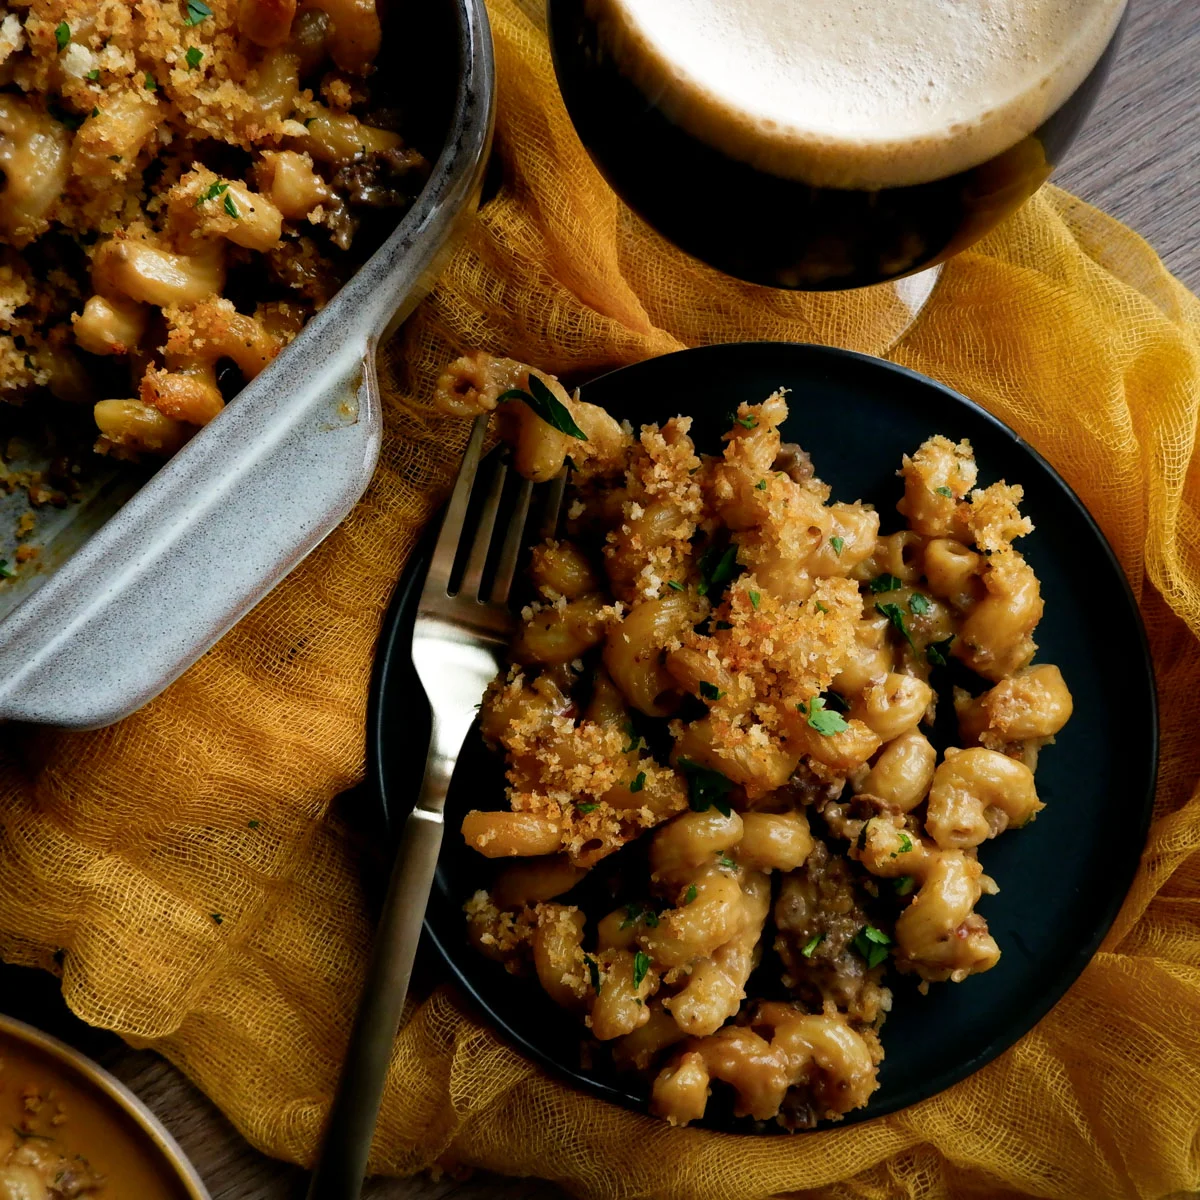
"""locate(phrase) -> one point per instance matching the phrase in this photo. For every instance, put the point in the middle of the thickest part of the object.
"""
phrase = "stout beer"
(828, 143)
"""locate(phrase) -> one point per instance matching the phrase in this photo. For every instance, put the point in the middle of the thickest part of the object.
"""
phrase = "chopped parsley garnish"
(723, 860)
(594, 972)
(894, 614)
(761, 486)
(872, 944)
(918, 604)
(217, 917)
(944, 491)
(690, 894)
(820, 607)
(709, 691)
(823, 720)
(587, 807)
(231, 208)
(675, 585)
(151, 83)
(641, 964)
(6, 572)
(633, 914)
(94, 75)
(905, 846)
(706, 788)
(197, 10)
(937, 654)
(716, 569)
(639, 782)
(811, 945)
(884, 583)
(253, 824)
(903, 885)
(547, 406)
(193, 56)
(754, 599)
(747, 422)
(62, 35)
(838, 544)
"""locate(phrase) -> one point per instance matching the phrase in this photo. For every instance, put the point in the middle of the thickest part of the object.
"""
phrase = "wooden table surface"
(1137, 159)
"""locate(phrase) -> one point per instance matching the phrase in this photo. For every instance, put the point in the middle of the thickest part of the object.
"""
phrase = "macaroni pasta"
(183, 179)
(721, 662)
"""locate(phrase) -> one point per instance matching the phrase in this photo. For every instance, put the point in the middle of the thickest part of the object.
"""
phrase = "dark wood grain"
(1138, 160)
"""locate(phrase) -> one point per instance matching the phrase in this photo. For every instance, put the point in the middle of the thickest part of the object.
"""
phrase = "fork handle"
(347, 1142)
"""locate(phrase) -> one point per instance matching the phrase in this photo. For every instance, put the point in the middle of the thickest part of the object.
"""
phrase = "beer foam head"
(859, 93)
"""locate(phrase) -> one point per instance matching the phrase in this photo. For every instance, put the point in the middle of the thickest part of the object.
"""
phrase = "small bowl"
(1062, 879)
(125, 1118)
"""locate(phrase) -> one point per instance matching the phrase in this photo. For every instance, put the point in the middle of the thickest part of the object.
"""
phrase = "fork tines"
(466, 562)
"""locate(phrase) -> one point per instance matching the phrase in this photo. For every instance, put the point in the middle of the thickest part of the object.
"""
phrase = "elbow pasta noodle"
(725, 662)
(181, 185)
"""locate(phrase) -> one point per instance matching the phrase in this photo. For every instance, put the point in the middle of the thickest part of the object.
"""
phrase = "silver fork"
(459, 643)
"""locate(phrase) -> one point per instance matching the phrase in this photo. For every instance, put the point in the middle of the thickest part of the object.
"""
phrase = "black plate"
(1062, 879)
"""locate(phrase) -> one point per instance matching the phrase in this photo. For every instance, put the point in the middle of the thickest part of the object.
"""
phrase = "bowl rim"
(393, 647)
(78, 1064)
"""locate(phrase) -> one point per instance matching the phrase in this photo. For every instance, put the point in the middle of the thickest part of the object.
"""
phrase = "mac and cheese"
(182, 182)
(720, 661)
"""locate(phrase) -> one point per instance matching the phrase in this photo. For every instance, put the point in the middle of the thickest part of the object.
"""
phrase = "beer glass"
(726, 203)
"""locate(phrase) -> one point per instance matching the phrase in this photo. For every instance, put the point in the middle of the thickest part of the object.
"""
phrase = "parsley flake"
(905, 846)
(675, 585)
(820, 607)
(151, 83)
(62, 35)
(761, 486)
(94, 75)
(937, 654)
(633, 914)
(716, 569)
(546, 405)
(811, 945)
(754, 599)
(723, 860)
(903, 885)
(6, 572)
(918, 604)
(253, 824)
(944, 491)
(709, 691)
(823, 720)
(838, 544)
(896, 616)
(586, 808)
(594, 972)
(639, 782)
(231, 208)
(197, 10)
(747, 422)
(872, 944)
(193, 56)
(641, 964)
(217, 917)
(706, 788)
(884, 583)
(690, 894)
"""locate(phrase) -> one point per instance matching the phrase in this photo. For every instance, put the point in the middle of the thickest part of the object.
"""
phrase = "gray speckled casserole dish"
(134, 588)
